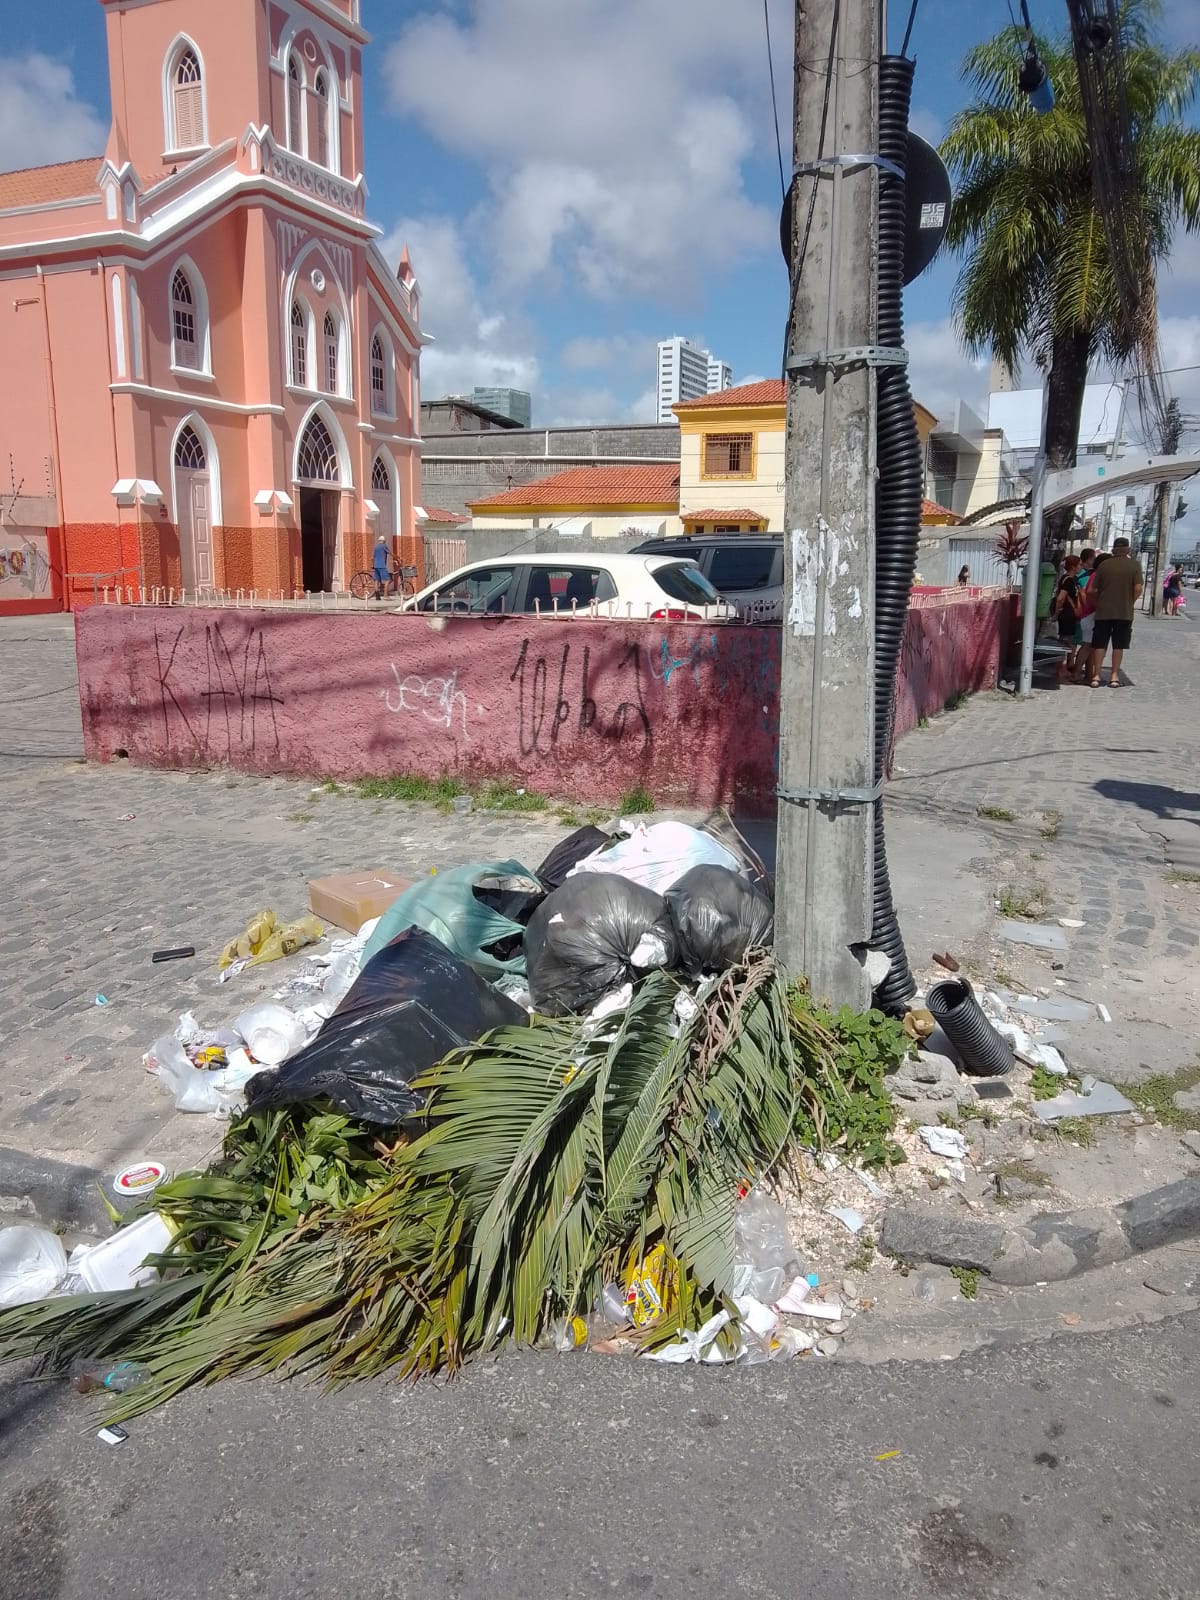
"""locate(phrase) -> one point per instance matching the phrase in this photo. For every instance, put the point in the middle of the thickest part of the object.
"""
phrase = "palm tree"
(1036, 275)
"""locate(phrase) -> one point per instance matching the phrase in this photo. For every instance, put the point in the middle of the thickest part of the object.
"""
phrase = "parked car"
(746, 568)
(658, 587)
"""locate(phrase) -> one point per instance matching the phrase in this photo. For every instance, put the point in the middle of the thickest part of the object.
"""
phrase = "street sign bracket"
(846, 360)
(852, 162)
(832, 800)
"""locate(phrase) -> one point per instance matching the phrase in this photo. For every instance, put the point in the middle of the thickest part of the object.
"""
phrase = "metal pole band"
(831, 799)
(859, 355)
(825, 164)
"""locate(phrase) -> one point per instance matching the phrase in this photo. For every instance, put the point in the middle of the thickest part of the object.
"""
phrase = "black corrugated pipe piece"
(897, 500)
(985, 1053)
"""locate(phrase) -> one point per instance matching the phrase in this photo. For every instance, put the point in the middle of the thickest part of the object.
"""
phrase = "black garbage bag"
(718, 915)
(582, 939)
(569, 852)
(411, 1005)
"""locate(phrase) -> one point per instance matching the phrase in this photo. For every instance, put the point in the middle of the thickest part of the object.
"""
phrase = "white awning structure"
(1096, 477)
(131, 491)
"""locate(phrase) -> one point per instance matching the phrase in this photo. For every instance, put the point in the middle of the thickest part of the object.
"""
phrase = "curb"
(55, 1193)
(1052, 1246)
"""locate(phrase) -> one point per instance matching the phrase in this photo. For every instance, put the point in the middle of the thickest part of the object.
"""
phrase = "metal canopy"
(1096, 477)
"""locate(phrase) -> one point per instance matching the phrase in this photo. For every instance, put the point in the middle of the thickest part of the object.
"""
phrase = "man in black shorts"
(1116, 588)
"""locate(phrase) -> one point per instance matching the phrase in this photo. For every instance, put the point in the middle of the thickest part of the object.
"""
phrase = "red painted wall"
(583, 710)
(947, 650)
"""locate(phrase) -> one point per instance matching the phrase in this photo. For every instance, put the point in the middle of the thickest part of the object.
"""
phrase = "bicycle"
(363, 584)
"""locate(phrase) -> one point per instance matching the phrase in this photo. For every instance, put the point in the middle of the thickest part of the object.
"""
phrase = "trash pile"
(541, 1107)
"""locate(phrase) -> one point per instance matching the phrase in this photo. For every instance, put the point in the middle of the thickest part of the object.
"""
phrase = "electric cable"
(774, 102)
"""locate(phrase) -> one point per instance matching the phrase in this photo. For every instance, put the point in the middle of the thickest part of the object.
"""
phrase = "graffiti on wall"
(234, 712)
(26, 566)
(734, 660)
(439, 700)
(563, 696)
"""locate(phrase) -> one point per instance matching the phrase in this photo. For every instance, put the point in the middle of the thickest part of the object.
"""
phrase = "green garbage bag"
(471, 910)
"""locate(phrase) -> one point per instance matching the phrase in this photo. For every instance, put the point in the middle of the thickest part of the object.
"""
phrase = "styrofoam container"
(119, 1262)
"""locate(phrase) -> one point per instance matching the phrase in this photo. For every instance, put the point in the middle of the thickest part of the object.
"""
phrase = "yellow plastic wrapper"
(286, 941)
(651, 1286)
(258, 930)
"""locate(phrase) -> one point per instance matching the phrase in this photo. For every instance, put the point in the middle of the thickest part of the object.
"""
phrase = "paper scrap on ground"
(948, 1142)
(1103, 1101)
(1039, 934)
(852, 1219)
(794, 1296)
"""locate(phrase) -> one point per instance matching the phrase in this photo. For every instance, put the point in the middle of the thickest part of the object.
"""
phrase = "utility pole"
(1169, 437)
(826, 716)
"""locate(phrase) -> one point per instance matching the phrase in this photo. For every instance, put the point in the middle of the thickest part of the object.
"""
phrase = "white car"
(645, 588)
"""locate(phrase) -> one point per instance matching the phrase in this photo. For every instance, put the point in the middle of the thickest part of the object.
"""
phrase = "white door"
(195, 529)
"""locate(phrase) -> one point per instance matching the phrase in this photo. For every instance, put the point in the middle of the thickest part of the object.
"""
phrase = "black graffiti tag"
(541, 721)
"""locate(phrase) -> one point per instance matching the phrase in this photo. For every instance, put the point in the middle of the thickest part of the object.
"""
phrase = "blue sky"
(577, 178)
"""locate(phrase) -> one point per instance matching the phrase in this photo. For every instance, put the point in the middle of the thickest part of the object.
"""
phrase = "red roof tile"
(589, 487)
(770, 392)
(930, 508)
(436, 514)
(724, 516)
(38, 186)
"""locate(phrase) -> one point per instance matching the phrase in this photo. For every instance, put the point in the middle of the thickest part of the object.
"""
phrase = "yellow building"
(731, 458)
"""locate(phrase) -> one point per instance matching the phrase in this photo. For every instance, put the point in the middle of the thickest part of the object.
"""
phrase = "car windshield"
(742, 567)
(682, 581)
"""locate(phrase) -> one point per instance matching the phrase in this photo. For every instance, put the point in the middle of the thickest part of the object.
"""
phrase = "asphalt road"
(1064, 1469)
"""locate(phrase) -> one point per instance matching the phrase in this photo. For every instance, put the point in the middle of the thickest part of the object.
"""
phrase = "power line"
(774, 102)
(908, 31)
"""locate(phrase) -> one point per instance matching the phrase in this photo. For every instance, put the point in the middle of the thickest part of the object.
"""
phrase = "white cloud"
(926, 125)
(615, 133)
(473, 343)
(593, 354)
(938, 371)
(42, 119)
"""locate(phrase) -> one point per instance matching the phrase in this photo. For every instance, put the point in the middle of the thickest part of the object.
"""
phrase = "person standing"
(1086, 610)
(381, 570)
(1172, 590)
(1065, 609)
(1115, 589)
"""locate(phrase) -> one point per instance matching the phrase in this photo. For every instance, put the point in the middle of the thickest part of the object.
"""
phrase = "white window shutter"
(189, 115)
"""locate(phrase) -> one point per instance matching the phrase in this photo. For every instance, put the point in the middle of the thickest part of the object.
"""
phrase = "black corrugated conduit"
(897, 500)
(985, 1053)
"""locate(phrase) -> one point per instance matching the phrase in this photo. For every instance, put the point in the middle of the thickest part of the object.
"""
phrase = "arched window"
(299, 323)
(316, 459)
(379, 376)
(189, 452)
(332, 363)
(185, 346)
(295, 90)
(381, 478)
(186, 102)
(321, 110)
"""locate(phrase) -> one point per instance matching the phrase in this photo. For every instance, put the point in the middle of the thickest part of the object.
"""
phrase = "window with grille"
(189, 452)
(380, 477)
(728, 455)
(186, 351)
(331, 353)
(187, 102)
(295, 103)
(299, 346)
(317, 459)
(378, 375)
(321, 92)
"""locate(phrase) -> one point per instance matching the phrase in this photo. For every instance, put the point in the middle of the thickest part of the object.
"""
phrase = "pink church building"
(208, 370)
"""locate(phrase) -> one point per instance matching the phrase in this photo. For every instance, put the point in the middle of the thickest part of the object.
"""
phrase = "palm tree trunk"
(1067, 380)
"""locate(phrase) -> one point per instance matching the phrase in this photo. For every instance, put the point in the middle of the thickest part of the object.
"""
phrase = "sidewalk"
(108, 864)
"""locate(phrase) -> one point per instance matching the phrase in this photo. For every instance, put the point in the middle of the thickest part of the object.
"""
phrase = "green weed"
(1079, 1130)
(410, 786)
(1027, 903)
(299, 816)
(636, 801)
(1045, 1085)
(863, 1261)
(568, 818)
(1051, 824)
(968, 1281)
(1177, 875)
(858, 1114)
(500, 796)
(996, 813)
(1156, 1097)
(957, 701)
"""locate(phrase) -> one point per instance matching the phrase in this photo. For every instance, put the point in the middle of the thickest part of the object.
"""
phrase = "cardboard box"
(349, 899)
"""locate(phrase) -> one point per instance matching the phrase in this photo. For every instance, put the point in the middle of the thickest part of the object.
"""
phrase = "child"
(1065, 608)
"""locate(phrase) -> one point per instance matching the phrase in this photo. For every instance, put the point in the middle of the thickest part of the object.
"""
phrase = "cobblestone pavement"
(105, 865)
(1092, 799)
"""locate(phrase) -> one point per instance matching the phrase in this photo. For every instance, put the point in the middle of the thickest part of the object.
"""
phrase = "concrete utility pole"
(1169, 436)
(826, 723)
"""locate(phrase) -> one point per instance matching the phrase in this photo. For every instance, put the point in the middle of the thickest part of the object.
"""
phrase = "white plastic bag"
(222, 1093)
(658, 855)
(32, 1264)
(272, 1032)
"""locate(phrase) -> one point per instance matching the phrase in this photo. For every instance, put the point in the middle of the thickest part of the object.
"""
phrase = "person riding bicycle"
(381, 566)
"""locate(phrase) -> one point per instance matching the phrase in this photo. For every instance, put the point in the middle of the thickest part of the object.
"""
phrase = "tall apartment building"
(514, 403)
(686, 372)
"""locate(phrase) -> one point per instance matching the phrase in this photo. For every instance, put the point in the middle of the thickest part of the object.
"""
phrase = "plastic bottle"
(569, 1334)
(89, 1376)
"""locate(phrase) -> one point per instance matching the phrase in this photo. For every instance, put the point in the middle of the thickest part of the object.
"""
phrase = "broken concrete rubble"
(927, 1086)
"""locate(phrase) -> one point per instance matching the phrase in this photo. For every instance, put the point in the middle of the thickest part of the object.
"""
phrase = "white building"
(1103, 427)
(686, 372)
